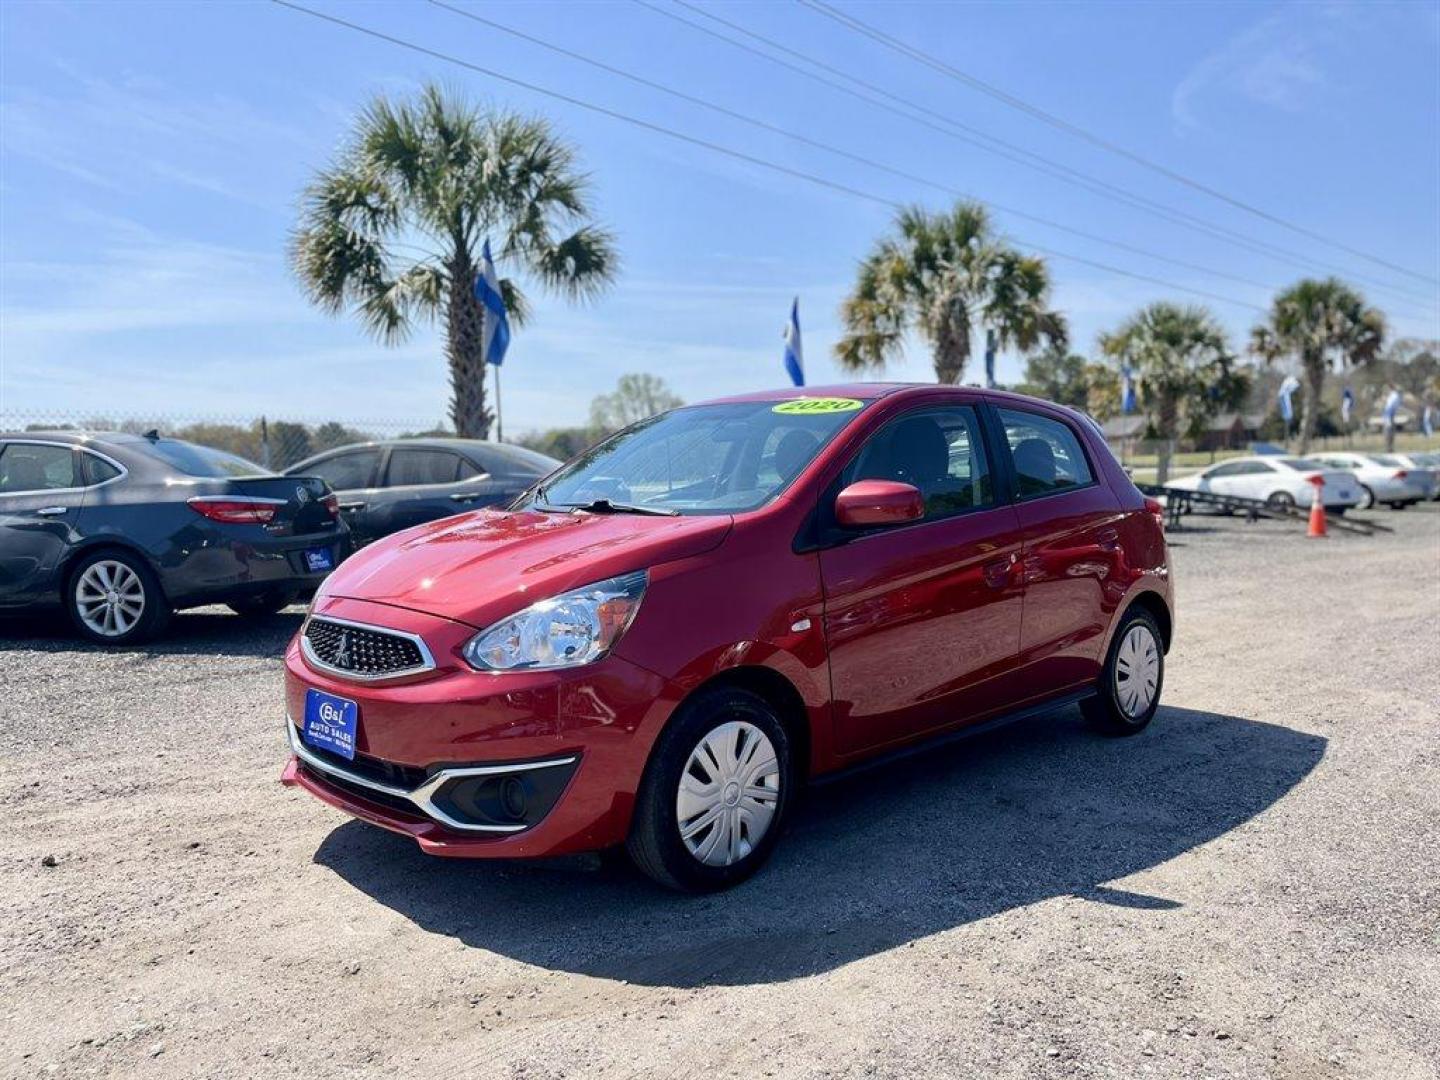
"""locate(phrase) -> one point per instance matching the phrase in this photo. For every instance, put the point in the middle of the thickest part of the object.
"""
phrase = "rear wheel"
(715, 793)
(267, 603)
(114, 598)
(1367, 499)
(1281, 500)
(1129, 688)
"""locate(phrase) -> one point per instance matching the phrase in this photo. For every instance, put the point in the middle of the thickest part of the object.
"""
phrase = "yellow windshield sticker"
(811, 406)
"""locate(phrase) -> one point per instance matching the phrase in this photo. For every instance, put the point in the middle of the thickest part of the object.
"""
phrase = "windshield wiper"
(608, 506)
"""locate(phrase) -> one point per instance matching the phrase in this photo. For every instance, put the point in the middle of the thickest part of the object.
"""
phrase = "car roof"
(873, 391)
(76, 438)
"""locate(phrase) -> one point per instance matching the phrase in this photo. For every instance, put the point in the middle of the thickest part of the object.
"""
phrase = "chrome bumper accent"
(422, 797)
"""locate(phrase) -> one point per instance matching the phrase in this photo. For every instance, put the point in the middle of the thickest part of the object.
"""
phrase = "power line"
(739, 155)
(765, 125)
(1061, 124)
(945, 125)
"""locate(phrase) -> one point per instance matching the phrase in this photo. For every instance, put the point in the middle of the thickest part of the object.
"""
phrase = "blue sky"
(151, 156)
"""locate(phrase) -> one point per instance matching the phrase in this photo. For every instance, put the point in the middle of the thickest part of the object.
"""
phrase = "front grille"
(406, 777)
(365, 652)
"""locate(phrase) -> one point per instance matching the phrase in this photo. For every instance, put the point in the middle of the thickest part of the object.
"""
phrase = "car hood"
(478, 568)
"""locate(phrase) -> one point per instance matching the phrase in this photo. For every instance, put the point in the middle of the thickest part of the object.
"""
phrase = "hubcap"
(728, 793)
(1137, 670)
(110, 598)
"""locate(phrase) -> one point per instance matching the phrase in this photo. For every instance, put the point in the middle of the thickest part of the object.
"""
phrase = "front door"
(922, 620)
(41, 493)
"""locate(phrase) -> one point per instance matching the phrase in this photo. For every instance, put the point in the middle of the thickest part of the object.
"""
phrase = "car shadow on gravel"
(870, 863)
(212, 631)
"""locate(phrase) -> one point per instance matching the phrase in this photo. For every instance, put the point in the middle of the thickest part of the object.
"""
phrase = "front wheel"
(114, 598)
(1282, 501)
(715, 794)
(1129, 688)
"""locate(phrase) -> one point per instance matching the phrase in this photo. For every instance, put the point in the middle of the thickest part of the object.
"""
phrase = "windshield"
(202, 460)
(705, 459)
(1302, 464)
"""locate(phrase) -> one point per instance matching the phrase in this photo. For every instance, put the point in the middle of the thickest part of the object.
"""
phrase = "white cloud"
(1275, 63)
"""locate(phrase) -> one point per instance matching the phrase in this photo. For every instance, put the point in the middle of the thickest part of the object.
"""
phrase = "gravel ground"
(1249, 889)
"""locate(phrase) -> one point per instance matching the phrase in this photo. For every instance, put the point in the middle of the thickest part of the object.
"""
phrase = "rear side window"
(345, 471)
(36, 467)
(206, 461)
(1046, 453)
(410, 467)
(98, 470)
(939, 451)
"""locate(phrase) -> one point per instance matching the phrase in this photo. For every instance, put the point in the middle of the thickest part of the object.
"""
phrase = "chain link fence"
(273, 442)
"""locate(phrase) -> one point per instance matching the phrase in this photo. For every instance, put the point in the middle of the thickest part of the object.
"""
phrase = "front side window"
(1046, 453)
(36, 467)
(409, 467)
(344, 472)
(704, 459)
(939, 451)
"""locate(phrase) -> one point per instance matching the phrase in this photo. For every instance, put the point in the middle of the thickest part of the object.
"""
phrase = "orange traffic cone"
(1317, 510)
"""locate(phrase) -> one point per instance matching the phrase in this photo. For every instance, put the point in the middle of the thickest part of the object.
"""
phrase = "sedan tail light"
(1401, 475)
(1157, 509)
(236, 509)
(331, 502)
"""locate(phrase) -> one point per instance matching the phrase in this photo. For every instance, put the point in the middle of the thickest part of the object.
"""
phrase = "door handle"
(348, 506)
(997, 573)
(461, 497)
(50, 511)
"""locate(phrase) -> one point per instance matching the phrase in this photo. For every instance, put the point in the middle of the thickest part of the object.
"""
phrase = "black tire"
(155, 613)
(1367, 499)
(1398, 505)
(1281, 500)
(261, 604)
(1104, 712)
(655, 845)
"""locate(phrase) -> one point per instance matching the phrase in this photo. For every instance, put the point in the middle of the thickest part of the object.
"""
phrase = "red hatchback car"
(662, 641)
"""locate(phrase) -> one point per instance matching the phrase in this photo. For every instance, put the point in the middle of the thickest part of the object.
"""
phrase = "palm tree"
(945, 274)
(1183, 366)
(1317, 321)
(394, 226)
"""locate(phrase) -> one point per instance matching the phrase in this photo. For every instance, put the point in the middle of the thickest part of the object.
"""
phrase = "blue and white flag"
(1127, 399)
(1427, 421)
(794, 351)
(1347, 404)
(1392, 406)
(1287, 391)
(990, 359)
(495, 332)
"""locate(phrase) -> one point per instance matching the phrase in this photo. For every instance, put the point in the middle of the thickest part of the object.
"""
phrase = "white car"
(1280, 481)
(1384, 478)
(1428, 464)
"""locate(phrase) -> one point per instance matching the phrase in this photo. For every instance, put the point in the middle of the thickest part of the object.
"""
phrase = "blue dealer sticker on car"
(319, 559)
(330, 723)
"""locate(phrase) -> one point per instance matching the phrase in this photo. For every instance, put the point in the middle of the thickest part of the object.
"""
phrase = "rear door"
(922, 620)
(42, 490)
(422, 484)
(1070, 527)
(351, 474)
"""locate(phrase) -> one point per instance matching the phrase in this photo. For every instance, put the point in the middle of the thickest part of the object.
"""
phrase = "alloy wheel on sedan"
(110, 598)
(728, 793)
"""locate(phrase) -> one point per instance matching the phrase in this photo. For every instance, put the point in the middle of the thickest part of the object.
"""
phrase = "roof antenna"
(153, 435)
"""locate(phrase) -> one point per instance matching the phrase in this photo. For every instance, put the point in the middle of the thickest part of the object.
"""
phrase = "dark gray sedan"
(388, 486)
(120, 530)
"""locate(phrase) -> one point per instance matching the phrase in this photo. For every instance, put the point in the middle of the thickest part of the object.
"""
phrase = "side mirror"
(878, 502)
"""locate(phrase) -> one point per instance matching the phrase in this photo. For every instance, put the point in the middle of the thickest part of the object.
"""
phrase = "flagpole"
(499, 424)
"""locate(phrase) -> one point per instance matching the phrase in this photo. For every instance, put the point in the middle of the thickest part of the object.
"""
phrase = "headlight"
(574, 628)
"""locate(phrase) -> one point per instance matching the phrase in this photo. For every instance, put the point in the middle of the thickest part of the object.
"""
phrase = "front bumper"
(592, 727)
